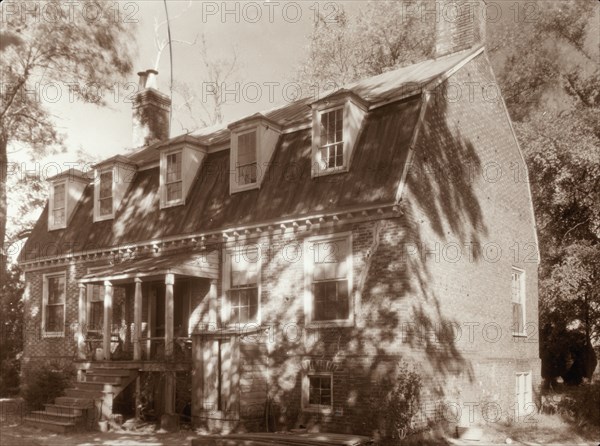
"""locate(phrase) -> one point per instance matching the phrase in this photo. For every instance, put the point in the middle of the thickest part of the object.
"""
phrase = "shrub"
(46, 383)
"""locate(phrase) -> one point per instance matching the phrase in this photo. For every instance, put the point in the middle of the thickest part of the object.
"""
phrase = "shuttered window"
(246, 158)
(55, 290)
(244, 267)
(523, 390)
(518, 301)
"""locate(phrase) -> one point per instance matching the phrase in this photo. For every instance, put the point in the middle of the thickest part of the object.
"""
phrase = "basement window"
(317, 392)
(523, 392)
(518, 301)
(246, 166)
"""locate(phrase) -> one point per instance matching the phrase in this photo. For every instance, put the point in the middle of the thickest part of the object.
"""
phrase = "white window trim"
(52, 226)
(248, 186)
(319, 170)
(45, 277)
(97, 215)
(308, 281)
(226, 307)
(163, 180)
(523, 300)
(522, 410)
(317, 408)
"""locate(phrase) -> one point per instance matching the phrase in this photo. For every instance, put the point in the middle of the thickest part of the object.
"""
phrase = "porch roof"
(191, 264)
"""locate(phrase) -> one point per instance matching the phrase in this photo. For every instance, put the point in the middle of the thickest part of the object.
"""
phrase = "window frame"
(318, 408)
(318, 169)
(228, 255)
(309, 297)
(164, 203)
(102, 216)
(98, 178)
(254, 184)
(45, 295)
(523, 300)
(52, 208)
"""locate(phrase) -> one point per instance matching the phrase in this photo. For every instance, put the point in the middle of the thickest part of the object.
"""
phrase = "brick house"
(272, 272)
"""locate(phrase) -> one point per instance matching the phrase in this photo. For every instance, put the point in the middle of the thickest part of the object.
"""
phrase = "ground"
(545, 429)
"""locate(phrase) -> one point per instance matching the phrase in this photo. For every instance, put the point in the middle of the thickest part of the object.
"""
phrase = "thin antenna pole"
(171, 63)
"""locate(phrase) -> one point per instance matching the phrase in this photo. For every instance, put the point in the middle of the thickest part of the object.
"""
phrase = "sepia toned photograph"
(299, 223)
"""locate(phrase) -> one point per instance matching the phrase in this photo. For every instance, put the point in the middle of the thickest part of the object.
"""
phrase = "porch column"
(82, 321)
(107, 327)
(169, 317)
(137, 320)
(212, 304)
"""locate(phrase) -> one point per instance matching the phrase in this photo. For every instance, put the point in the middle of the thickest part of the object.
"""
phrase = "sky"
(269, 38)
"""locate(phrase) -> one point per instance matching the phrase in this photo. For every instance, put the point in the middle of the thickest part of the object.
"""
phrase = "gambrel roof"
(288, 189)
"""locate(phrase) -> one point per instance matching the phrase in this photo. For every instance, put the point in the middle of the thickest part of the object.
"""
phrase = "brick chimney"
(460, 25)
(151, 110)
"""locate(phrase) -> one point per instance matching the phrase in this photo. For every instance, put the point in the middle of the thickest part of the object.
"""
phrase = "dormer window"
(59, 205)
(180, 162)
(113, 177)
(337, 120)
(106, 193)
(331, 148)
(246, 167)
(253, 141)
(66, 190)
(173, 180)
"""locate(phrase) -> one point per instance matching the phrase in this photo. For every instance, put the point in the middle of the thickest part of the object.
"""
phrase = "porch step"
(84, 394)
(105, 379)
(93, 386)
(110, 372)
(76, 402)
(64, 409)
(60, 427)
(60, 417)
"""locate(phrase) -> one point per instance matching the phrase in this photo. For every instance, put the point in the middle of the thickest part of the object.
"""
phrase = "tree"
(77, 46)
(380, 37)
(11, 335)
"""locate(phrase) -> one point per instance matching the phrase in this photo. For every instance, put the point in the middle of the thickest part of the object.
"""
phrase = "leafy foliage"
(11, 326)
(46, 383)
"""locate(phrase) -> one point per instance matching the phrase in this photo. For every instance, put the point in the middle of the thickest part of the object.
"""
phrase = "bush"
(582, 404)
(45, 384)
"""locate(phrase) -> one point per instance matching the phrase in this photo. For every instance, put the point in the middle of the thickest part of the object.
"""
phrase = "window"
(331, 147)
(54, 296)
(59, 205)
(173, 179)
(243, 295)
(95, 307)
(518, 301)
(317, 392)
(523, 393)
(105, 195)
(330, 279)
(246, 168)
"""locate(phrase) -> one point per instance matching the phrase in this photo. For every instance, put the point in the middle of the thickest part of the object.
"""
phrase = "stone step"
(78, 402)
(64, 409)
(83, 394)
(54, 426)
(60, 417)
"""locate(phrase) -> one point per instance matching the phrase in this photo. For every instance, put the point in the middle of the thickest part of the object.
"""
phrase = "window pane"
(244, 305)
(319, 390)
(106, 206)
(518, 322)
(244, 267)
(106, 179)
(59, 216)
(173, 167)
(332, 131)
(330, 259)
(54, 318)
(174, 191)
(331, 300)
(246, 149)
(59, 196)
(247, 174)
(56, 290)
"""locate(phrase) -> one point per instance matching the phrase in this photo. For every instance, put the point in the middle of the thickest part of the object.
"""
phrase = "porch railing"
(153, 349)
